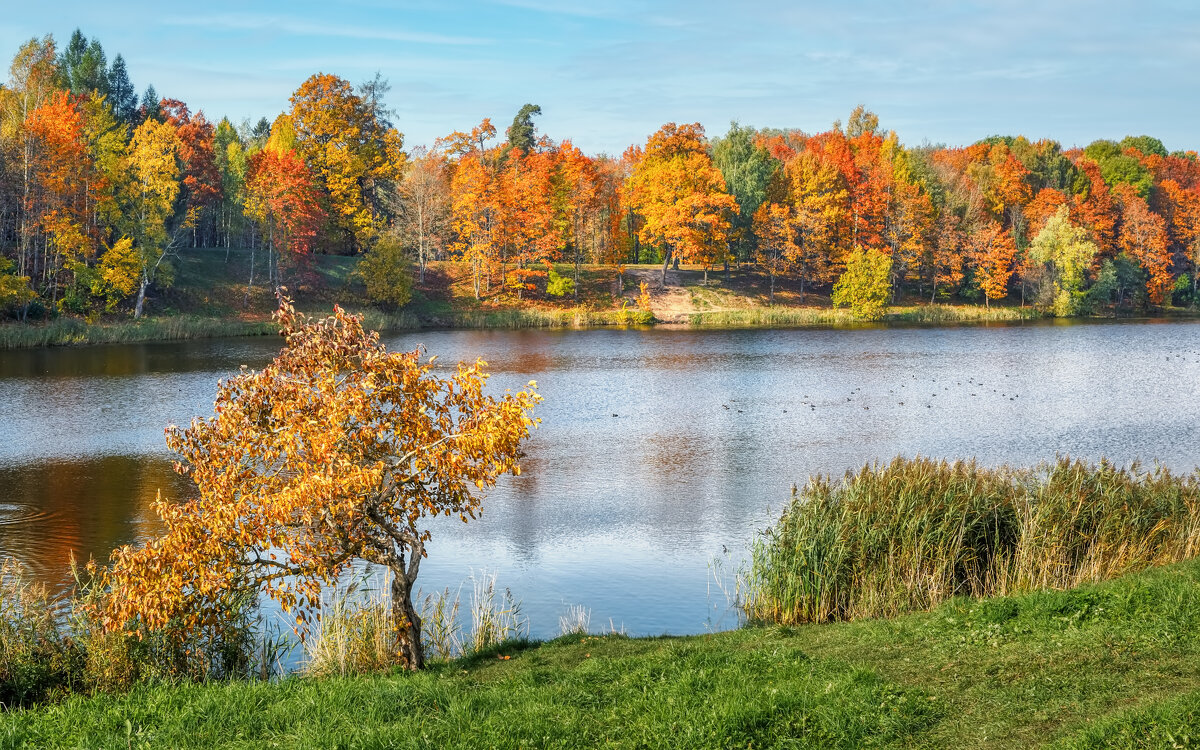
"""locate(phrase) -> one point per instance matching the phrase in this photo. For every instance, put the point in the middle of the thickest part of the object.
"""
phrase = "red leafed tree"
(1095, 209)
(281, 196)
(1143, 237)
(201, 181)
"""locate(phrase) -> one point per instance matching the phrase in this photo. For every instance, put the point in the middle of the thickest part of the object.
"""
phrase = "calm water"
(659, 450)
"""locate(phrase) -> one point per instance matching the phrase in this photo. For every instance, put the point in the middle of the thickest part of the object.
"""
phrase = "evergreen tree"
(121, 95)
(82, 65)
(522, 134)
(151, 108)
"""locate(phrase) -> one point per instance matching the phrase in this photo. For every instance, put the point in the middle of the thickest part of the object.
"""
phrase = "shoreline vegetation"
(966, 606)
(211, 300)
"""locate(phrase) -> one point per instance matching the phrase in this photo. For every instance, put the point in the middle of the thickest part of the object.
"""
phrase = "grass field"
(1109, 665)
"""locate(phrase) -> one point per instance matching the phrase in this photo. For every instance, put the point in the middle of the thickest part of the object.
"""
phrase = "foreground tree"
(336, 451)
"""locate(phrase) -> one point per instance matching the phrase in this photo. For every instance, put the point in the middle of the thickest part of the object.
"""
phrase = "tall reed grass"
(803, 317)
(72, 331)
(358, 634)
(38, 658)
(908, 535)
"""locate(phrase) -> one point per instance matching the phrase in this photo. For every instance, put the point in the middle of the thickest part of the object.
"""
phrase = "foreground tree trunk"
(408, 622)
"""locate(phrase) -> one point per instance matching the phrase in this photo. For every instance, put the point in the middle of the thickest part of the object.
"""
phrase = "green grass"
(1114, 664)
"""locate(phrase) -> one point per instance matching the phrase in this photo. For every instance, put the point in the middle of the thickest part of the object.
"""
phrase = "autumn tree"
(866, 284)
(773, 228)
(1067, 254)
(150, 219)
(62, 186)
(422, 206)
(337, 451)
(946, 255)
(473, 214)
(820, 200)
(31, 80)
(681, 196)
(281, 197)
(1143, 236)
(992, 255)
(352, 153)
(200, 184)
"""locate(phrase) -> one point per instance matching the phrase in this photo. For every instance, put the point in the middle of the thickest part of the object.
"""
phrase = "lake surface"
(659, 452)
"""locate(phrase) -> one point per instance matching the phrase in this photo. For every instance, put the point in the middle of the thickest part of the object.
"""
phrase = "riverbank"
(1110, 665)
(211, 298)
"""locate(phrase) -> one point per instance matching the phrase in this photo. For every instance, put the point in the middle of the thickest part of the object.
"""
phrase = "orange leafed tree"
(336, 451)
(1143, 236)
(64, 181)
(992, 254)
(681, 196)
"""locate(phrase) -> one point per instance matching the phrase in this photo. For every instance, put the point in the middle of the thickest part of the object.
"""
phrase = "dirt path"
(670, 305)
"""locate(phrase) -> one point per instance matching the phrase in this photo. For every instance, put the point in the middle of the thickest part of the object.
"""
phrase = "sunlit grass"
(1115, 664)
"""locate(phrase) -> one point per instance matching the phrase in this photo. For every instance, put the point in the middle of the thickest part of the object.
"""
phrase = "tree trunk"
(141, 298)
(408, 622)
(666, 262)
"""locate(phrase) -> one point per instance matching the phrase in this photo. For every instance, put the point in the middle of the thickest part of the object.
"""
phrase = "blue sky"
(608, 73)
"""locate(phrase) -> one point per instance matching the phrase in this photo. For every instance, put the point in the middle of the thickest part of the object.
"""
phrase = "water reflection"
(623, 513)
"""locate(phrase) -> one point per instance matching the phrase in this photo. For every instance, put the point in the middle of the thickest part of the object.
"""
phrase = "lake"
(660, 451)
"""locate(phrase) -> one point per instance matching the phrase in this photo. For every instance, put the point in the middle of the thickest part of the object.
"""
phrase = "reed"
(38, 658)
(911, 534)
(357, 633)
(495, 615)
(72, 331)
(577, 620)
(823, 317)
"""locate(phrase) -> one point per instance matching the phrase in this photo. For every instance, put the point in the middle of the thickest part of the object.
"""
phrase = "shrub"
(558, 285)
(865, 285)
(385, 272)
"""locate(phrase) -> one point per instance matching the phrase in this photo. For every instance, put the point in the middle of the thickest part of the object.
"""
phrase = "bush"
(557, 285)
(385, 271)
(865, 285)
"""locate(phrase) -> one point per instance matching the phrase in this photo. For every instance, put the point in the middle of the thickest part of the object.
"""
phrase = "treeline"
(99, 188)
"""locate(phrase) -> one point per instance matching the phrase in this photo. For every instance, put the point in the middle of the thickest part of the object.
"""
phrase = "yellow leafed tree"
(336, 451)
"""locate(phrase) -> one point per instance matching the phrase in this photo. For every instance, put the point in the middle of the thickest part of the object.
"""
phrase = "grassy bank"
(1108, 665)
(825, 317)
(72, 331)
(211, 298)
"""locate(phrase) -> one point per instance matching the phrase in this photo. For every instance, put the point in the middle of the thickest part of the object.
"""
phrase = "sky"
(607, 73)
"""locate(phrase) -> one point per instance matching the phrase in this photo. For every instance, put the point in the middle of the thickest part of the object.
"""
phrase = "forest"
(100, 188)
